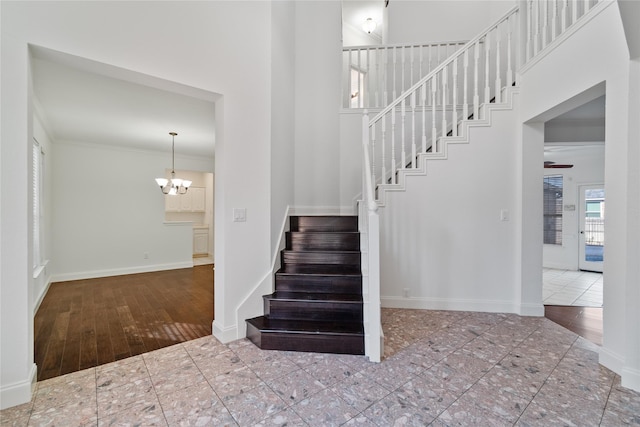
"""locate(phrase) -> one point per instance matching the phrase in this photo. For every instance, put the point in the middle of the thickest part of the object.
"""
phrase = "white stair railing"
(456, 90)
(548, 19)
(374, 75)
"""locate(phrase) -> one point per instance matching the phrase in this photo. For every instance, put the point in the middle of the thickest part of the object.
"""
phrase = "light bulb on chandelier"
(174, 185)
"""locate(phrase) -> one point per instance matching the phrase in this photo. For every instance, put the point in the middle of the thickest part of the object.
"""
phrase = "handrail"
(389, 46)
(442, 66)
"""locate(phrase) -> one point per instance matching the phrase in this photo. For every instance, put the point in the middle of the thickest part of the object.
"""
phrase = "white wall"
(443, 244)
(598, 54)
(318, 63)
(112, 213)
(195, 44)
(440, 20)
(588, 168)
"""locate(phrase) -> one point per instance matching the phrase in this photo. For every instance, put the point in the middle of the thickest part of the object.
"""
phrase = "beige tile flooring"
(440, 368)
(566, 287)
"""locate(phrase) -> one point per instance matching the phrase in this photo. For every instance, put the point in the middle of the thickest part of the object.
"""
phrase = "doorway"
(592, 214)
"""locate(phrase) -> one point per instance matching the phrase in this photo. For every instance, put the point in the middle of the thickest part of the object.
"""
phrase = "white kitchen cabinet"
(198, 199)
(200, 241)
(192, 201)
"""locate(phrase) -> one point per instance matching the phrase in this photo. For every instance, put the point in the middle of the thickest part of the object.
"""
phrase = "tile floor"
(440, 369)
(566, 287)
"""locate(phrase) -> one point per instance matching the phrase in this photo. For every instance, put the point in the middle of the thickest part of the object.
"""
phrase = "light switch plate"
(239, 214)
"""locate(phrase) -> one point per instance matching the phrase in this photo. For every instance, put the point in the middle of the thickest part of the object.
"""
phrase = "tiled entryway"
(440, 369)
(566, 287)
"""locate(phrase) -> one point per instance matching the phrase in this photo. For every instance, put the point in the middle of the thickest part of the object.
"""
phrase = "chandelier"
(174, 185)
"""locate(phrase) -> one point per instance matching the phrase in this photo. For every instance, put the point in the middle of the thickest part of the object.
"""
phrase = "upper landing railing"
(373, 76)
(546, 20)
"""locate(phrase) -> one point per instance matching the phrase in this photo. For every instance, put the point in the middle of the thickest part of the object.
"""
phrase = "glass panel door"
(592, 215)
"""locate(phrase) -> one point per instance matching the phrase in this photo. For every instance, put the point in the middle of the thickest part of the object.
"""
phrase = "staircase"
(317, 304)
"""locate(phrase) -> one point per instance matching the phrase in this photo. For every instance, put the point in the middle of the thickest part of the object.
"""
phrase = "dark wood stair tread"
(321, 297)
(320, 270)
(266, 324)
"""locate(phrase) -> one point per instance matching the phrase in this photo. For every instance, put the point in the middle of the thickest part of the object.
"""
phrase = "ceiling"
(355, 12)
(83, 101)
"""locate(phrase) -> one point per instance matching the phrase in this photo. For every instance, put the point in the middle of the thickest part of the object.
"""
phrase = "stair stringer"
(463, 138)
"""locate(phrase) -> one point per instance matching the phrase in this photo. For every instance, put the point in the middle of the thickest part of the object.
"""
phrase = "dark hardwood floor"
(584, 321)
(85, 323)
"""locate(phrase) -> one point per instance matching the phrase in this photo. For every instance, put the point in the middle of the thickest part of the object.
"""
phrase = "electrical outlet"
(146, 255)
(239, 214)
(406, 292)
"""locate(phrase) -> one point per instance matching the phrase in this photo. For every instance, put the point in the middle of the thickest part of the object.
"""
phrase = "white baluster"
(404, 61)
(498, 90)
(395, 61)
(454, 112)
(378, 79)
(368, 80)
(413, 129)
(536, 27)
(574, 12)
(444, 101)
(383, 172)
(587, 6)
(424, 116)
(545, 20)
(393, 145)
(476, 96)
(554, 19)
(529, 29)
(509, 69)
(384, 77)
(465, 97)
(421, 62)
(563, 18)
(412, 65)
(403, 138)
(434, 132)
(487, 88)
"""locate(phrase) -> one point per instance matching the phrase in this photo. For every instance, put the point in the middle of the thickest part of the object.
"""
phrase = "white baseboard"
(224, 334)
(449, 304)
(120, 271)
(44, 291)
(631, 378)
(20, 392)
(535, 310)
(611, 360)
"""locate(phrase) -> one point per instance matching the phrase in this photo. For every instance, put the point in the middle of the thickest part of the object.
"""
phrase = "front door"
(592, 214)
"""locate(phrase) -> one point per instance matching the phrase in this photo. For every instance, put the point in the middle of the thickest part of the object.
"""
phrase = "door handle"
(581, 231)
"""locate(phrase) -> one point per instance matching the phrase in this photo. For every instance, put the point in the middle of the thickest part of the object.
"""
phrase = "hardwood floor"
(584, 321)
(85, 323)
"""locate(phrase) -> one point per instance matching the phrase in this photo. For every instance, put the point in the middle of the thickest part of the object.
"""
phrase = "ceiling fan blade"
(554, 166)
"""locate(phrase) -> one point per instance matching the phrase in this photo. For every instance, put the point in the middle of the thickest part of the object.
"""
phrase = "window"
(552, 210)
(38, 173)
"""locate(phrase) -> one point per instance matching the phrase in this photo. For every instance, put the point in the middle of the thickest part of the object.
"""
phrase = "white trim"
(319, 210)
(263, 287)
(530, 309)
(224, 335)
(581, 22)
(120, 271)
(450, 304)
(611, 360)
(20, 392)
(45, 289)
(631, 378)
